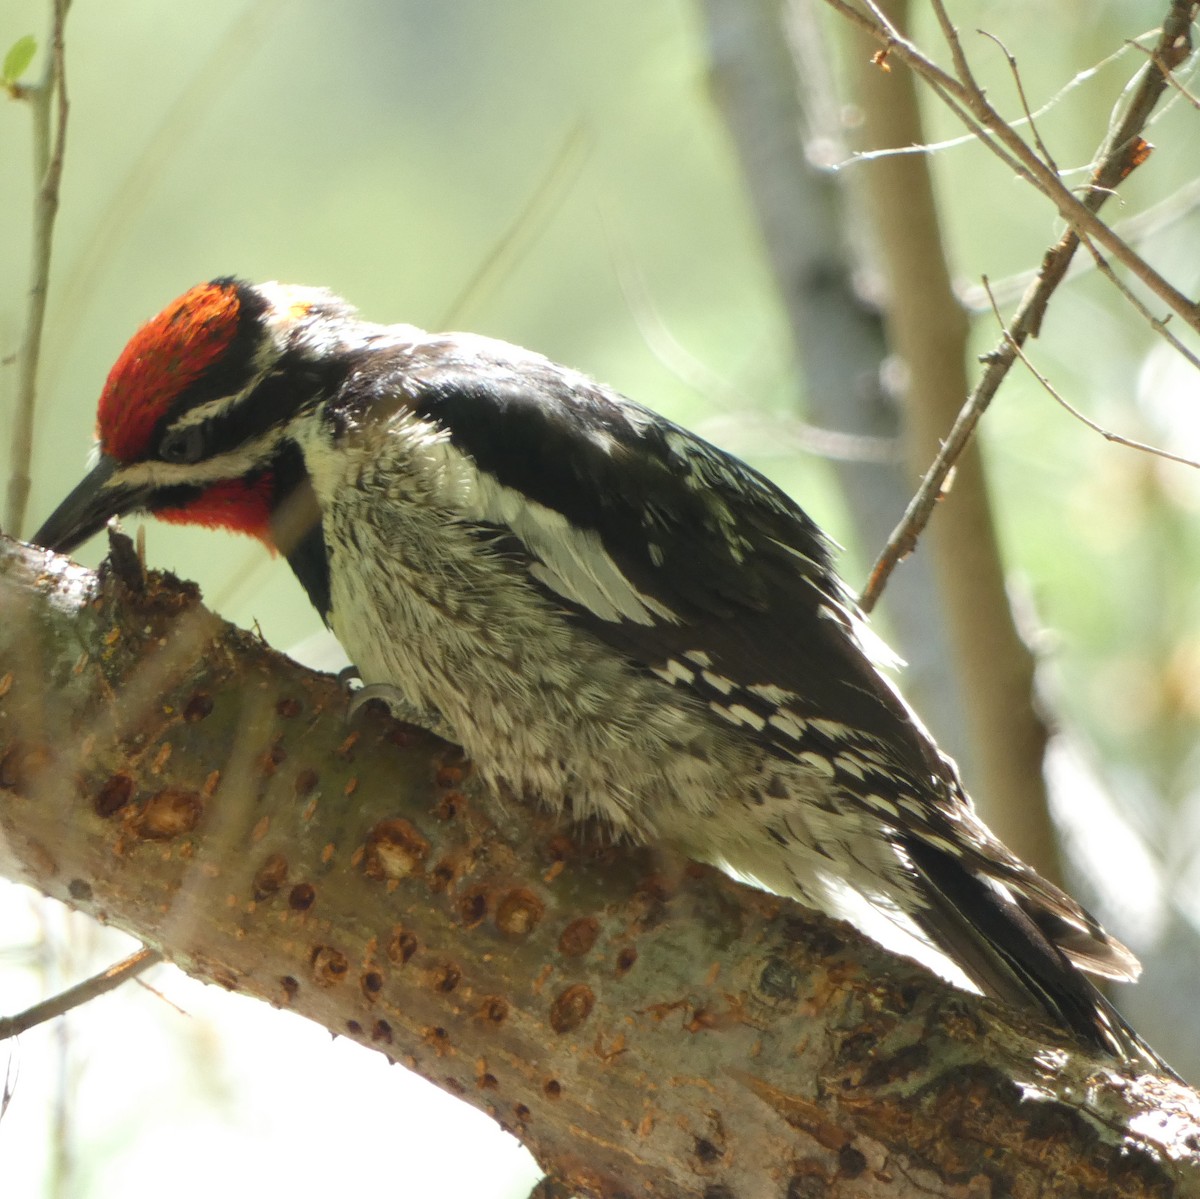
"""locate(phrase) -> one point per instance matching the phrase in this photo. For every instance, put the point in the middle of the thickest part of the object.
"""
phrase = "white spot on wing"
(743, 715)
(680, 673)
(885, 805)
(717, 682)
(738, 714)
(787, 724)
(771, 693)
(849, 764)
(832, 729)
(818, 762)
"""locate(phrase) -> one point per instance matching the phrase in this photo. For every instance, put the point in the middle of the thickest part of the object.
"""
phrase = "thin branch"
(1080, 416)
(179, 1011)
(1132, 151)
(1135, 229)
(962, 68)
(81, 993)
(1123, 151)
(48, 104)
(1169, 76)
(1047, 157)
(10, 1085)
(966, 139)
(1156, 323)
(1118, 156)
(962, 100)
(530, 221)
(904, 537)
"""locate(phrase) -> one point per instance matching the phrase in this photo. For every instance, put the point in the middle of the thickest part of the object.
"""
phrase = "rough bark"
(647, 1027)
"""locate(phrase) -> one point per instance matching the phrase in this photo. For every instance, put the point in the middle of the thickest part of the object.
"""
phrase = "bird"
(613, 617)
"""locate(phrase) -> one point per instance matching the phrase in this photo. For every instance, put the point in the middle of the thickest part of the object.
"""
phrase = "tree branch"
(76, 996)
(1082, 417)
(645, 1026)
(1123, 149)
(48, 101)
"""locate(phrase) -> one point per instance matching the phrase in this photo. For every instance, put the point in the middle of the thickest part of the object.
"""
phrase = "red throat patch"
(163, 357)
(243, 506)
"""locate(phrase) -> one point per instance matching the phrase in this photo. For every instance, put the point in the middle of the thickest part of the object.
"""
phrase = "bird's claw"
(396, 703)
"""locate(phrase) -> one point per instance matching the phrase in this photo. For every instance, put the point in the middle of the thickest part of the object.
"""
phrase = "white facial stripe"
(214, 408)
(233, 465)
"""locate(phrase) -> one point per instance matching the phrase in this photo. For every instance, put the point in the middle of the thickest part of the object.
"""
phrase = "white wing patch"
(739, 714)
(675, 672)
(569, 561)
(718, 682)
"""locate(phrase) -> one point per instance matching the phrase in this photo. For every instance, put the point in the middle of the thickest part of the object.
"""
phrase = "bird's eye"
(183, 445)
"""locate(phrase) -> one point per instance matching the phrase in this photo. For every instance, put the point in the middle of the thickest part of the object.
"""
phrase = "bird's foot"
(396, 703)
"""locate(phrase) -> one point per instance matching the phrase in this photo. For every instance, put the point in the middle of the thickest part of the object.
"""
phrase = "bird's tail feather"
(1025, 953)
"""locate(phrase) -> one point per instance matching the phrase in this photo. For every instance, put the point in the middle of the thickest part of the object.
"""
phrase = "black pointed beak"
(88, 508)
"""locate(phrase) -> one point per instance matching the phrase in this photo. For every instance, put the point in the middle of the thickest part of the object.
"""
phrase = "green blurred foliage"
(16, 61)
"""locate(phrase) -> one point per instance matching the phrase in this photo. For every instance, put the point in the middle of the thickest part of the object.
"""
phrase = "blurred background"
(562, 176)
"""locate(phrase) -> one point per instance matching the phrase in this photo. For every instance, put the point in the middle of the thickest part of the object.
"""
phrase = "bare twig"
(904, 537)
(1169, 76)
(81, 993)
(1121, 152)
(962, 68)
(967, 139)
(964, 98)
(1135, 229)
(1047, 157)
(48, 103)
(1156, 323)
(1061, 400)
(10, 1085)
